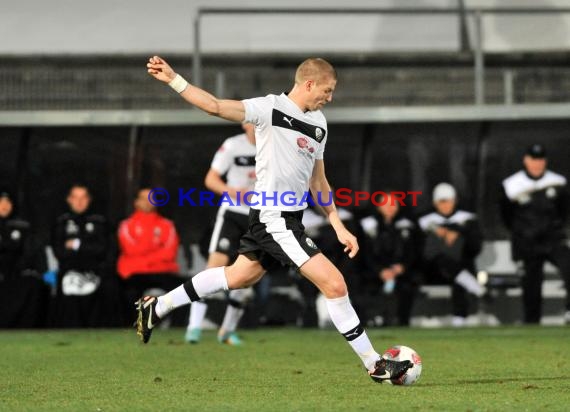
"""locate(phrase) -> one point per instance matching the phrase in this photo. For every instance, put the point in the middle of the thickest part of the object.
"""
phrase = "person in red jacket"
(148, 248)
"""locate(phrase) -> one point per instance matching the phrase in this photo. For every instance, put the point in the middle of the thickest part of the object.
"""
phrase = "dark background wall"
(39, 164)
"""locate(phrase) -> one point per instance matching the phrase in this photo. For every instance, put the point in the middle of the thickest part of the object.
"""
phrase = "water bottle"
(389, 286)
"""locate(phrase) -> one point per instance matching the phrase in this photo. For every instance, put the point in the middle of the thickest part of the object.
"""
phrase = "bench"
(503, 282)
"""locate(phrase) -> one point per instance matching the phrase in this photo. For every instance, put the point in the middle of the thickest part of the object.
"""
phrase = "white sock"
(346, 321)
(233, 312)
(209, 281)
(469, 283)
(231, 319)
(203, 284)
(172, 300)
(197, 314)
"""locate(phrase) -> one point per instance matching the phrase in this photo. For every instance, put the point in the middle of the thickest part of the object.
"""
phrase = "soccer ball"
(400, 353)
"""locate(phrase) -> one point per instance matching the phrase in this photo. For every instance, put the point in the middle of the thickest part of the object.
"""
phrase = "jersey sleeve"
(321, 150)
(223, 158)
(258, 110)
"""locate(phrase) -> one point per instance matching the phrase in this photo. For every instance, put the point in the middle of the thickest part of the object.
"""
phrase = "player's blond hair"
(314, 69)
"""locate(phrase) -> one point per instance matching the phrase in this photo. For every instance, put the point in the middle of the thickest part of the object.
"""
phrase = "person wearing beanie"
(453, 240)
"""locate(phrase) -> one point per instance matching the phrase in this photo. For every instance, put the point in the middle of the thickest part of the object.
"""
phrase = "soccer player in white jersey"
(236, 160)
(290, 133)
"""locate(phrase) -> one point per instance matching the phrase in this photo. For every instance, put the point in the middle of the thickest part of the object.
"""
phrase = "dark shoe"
(147, 318)
(386, 369)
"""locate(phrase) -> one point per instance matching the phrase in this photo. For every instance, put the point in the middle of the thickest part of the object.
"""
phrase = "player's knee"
(336, 289)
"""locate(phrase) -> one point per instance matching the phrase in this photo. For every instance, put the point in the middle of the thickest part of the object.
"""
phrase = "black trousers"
(533, 275)
(102, 308)
(397, 306)
(23, 302)
(444, 269)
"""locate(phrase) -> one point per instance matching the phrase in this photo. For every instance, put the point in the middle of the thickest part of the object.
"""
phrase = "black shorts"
(277, 238)
(228, 230)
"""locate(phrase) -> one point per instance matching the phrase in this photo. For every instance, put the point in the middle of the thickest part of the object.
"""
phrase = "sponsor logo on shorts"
(310, 243)
(224, 243)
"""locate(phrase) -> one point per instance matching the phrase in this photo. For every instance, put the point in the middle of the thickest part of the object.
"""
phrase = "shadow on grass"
(496, 381)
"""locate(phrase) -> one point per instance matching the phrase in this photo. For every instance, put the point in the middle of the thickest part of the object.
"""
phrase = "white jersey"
(236, 159)
(288, 142)
(520, 187)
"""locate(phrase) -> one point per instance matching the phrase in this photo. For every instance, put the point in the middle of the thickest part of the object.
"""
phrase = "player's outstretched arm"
(232, 110)
(320, 184)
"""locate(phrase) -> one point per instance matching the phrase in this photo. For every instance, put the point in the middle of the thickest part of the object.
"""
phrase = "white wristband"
(178, 84)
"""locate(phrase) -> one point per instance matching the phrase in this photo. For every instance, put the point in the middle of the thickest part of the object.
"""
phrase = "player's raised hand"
(160, 69)
(349, 241)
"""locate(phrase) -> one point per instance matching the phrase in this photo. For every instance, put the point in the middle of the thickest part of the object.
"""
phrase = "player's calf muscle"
(240, 275)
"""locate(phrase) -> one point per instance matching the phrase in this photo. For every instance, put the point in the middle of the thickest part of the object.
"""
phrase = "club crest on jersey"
(550, 192)
(318, 134)
(71, 228)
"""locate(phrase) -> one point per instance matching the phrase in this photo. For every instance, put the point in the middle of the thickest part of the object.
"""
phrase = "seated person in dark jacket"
(391, 246)
(452, 240)
(80, 241)
(23, 294)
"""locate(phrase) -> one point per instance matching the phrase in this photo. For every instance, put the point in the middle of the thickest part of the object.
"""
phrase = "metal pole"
(463, 34)
(479, 62)
(508, 82)
(23, 193)
(361, 179)
(197, 58)
(220, 83)
(131, 159)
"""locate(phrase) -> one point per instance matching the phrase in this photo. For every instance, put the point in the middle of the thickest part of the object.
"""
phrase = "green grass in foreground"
(282, 370)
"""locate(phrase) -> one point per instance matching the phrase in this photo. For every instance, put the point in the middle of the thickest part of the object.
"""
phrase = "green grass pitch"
(498, 369)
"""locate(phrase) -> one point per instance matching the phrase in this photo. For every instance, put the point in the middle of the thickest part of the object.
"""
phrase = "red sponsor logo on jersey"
(302, 142)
